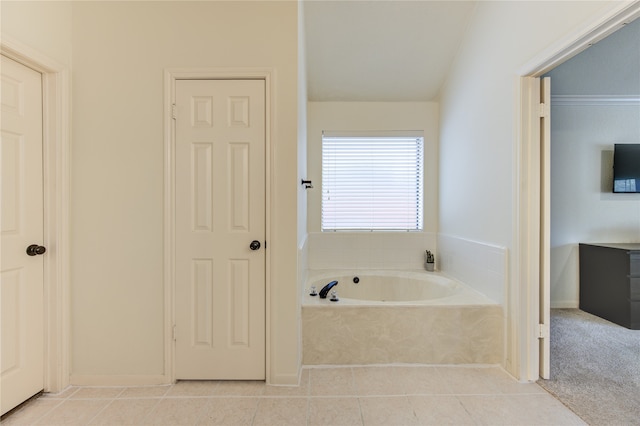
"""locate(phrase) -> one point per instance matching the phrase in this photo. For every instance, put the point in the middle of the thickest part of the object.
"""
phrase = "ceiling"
(381, 50)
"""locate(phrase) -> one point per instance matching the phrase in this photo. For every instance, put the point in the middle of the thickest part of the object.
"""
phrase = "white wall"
(392, 250)
(479, 124)
(583, 131)
(41, 25)
(120, 51)
(373, 116)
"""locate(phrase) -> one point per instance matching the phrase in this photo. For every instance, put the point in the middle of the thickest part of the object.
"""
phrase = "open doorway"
(528, 265)
(589, 114)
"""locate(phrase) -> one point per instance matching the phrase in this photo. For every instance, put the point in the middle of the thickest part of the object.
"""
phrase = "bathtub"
(384, 287)
(386, 317)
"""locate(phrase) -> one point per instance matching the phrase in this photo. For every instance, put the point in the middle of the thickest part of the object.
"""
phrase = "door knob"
(255, 245)
(35, 249)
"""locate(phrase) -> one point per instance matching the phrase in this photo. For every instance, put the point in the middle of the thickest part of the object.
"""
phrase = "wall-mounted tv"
(626, 167)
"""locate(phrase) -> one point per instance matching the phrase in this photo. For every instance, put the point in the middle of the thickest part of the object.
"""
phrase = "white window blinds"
(372, 183)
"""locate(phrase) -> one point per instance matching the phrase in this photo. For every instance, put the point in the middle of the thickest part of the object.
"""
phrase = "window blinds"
(372, 183)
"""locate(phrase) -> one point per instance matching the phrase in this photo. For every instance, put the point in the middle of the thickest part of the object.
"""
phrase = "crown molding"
(595, 100)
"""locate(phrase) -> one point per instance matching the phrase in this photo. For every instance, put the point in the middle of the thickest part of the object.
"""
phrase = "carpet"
(595, 368)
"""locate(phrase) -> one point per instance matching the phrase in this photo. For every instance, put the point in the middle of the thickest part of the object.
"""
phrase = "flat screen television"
(626, 168)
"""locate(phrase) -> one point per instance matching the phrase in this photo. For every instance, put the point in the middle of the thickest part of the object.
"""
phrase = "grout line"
(143, 420)
(99, 411)
(48, 411)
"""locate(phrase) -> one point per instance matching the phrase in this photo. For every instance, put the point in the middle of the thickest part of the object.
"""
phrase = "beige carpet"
(595, 368)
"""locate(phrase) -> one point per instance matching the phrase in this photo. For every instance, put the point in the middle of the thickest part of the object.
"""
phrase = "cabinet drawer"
(634, 284)
(634, 264)
(634, 316)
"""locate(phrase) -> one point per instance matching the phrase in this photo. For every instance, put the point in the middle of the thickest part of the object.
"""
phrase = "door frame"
(170, 77)
(56, 164)
(523, 299)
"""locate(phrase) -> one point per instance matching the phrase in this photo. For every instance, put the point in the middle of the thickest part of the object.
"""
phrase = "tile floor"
(388, 395)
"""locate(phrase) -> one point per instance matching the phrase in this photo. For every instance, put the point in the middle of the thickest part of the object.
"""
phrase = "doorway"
(22, 292)
(55, 188)
(529, 221)
(220, 229)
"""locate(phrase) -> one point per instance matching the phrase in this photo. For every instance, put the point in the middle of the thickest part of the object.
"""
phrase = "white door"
(545, 226)
(21, 294)
(220, 229)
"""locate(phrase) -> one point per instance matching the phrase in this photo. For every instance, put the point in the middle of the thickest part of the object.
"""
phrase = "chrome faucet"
(326, 288)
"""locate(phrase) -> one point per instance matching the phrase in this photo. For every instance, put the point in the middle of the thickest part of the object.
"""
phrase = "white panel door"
(21, 294)
(220, 211)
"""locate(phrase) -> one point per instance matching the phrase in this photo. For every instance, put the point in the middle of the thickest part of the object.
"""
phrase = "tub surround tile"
(366, 250)
(407, 334)
(479, 265)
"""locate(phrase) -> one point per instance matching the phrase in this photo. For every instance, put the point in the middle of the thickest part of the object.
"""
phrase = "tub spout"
(326, 288)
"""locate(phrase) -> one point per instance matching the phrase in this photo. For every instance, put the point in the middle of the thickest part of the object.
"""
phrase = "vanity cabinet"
(610, 282)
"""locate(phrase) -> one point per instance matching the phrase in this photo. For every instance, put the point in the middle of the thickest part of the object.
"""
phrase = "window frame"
(420, 184)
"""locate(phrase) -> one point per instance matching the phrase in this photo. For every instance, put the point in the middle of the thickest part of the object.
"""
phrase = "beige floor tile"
(420, 380)
(240, 388)
(125, 412)
(193, 388)
(230, 411)
(97, 392)
(377, 381)
(331, 381)
(145, 391)
(74, 412)
(440, 410)
(334, 411)
(177, 411)
(468, 380)
(387, 411)
(393, 395)
(281, 412)
(31, 412)
(516, 410)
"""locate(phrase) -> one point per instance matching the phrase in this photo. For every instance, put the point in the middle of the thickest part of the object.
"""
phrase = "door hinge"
(543, 331)
(544, 110)
(174, 111)
(174, 332)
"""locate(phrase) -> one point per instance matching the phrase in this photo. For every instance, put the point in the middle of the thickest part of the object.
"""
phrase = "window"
(372, 183)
